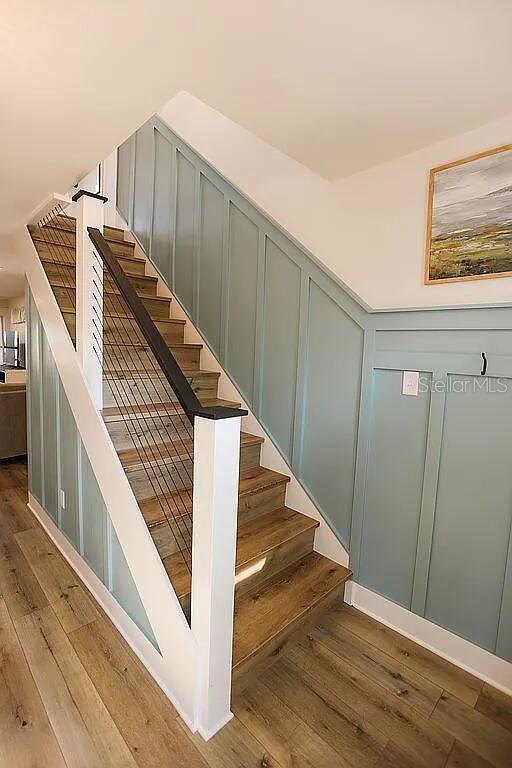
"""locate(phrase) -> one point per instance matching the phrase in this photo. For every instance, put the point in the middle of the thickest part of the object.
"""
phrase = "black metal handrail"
(166, 360)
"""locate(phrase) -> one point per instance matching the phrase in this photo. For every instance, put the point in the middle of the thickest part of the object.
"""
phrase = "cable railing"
(146, 394)
(153, 397)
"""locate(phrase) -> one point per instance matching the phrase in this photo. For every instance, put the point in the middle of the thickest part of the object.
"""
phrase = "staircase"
(282, 584)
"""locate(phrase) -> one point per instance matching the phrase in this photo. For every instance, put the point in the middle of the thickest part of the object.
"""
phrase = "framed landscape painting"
(469, 225)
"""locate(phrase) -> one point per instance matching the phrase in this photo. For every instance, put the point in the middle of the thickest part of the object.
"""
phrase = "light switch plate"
(410, 383)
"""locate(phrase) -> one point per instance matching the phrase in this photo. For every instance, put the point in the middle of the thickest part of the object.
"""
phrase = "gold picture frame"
(469, 233)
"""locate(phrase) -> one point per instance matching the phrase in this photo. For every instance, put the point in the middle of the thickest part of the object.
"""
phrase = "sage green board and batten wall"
(58, 460)
(323, 374)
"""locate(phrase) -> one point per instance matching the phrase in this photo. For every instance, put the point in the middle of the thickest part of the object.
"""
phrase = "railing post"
(89, 292)
(215, 507)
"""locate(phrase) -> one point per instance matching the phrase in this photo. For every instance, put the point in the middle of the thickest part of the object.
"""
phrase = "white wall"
(384, 213)
(368, 229)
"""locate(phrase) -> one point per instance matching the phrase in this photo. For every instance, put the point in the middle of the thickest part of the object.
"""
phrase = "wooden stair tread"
(68, 224)
(251, 481)
(120, 413)
(149, 279)
(71, 265)
(140, 345)
(123, 373)
(272, 611)
(133, 458)
(72, 247)
(255, 539)
(129, 253)
(145, 278)
(121, 316)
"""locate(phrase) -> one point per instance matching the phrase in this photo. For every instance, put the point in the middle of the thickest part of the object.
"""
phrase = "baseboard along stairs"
(282, 585)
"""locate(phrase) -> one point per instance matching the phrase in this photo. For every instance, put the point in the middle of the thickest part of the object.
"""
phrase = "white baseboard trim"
(135, 638)
(207, 735)
(477, 661)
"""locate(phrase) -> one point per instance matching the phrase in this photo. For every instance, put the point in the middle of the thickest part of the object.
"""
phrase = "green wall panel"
(124, 590)
(34, 402)
(323, 374)
(280, 346)
(143, 184)
(473, 511)
(394, 487)
(49, 417)
(211, 247)
(504, 637)
(184, 238)
(57, 453)
(68, 450)
(331, 402)
(162, 234)
(124, 176)
(242, 300)
(94, 521)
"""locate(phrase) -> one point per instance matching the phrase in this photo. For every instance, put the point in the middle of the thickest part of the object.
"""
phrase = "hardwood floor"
(353, 693)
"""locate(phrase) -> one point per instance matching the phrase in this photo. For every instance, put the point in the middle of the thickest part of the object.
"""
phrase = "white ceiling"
(337, 85)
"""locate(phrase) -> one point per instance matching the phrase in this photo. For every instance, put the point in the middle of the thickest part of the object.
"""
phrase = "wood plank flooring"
(351, 694)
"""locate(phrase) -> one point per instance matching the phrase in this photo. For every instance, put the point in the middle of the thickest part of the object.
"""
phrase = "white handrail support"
(89, 294)
(215, 509)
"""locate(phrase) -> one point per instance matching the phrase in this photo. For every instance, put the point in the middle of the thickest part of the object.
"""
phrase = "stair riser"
(187, 358)
(159, 310)
(168, 476)
(179, 470)
(114, 234)
(147, 391)
(173, 536)
(121, 248)
(158, 480)
(135, 392)
(147, 431)
(142, 359)
(272, 651)
(255, 574)
(113, 326)
(250, 456)
(258, 503)
(65, 274)
(66, 255)
(66, 300)
(172, 333)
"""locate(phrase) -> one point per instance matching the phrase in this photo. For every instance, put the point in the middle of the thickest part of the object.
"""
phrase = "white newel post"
(89, 292)
(215, 509)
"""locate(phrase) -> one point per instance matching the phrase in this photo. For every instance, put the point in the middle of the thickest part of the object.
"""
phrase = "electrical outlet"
(62, 499)
(410, 383)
